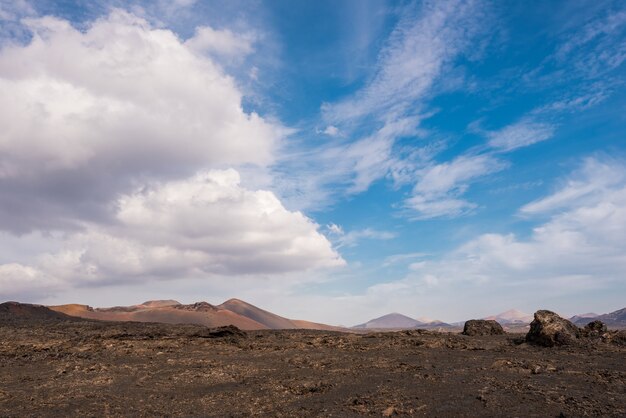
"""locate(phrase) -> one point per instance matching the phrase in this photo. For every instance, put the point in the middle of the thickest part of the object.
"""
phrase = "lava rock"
(482, 327)
(594, 329)
(221, 332)
(597, 326)
(548, 329)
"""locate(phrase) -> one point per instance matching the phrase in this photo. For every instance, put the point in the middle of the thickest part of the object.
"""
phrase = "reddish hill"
(264, 317)
(300, 324)
(200, 313)
(232, 312)
(16, 310)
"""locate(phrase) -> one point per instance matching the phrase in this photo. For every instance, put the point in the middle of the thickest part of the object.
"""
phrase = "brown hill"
(232, 312)
(160, 303)
(16, 310)
(262, 316)
(300, 324)
(200, 313)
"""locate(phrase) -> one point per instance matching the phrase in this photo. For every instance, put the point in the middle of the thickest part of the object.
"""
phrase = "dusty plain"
(83, 368)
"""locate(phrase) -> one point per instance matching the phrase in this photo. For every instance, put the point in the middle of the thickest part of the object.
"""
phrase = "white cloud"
(402, 258)
(242, 230)
(417, 51)
(334, 229)
(71, 97)
(521, 134)
(436, 192)
(331, 130)
(439, 187)
(15, 9)
(221, 42)
(580, 248)
(598, 46)
(85, 114)
(352, 238)
(424, 43)
(204, 226)
(117, 137)
(17, 279)
(589, 184)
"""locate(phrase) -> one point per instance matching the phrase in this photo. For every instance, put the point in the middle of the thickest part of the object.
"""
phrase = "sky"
(332, 160)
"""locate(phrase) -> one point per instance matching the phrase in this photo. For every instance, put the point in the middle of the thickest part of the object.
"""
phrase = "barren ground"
(83, 368)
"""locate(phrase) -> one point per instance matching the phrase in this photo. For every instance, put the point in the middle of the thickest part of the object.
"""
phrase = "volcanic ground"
(74, 367)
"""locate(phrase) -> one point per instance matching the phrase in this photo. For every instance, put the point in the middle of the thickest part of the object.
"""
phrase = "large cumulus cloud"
(84, 114)
(121, 147)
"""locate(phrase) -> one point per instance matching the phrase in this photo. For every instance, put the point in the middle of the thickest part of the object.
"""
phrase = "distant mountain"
(512, 317)
(616, 319)
(399, 321)
(392, 320)
(232, 312)
(586, 317)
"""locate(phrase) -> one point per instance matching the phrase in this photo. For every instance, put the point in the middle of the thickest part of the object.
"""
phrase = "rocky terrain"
(55, 365)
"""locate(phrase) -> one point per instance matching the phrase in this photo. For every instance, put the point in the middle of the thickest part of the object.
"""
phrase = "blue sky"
(333, 161)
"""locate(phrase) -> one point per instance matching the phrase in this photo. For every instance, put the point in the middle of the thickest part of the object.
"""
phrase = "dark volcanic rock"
(594, 329)
(597, 326)
(482, 327)
(220, 332)
(549, 329)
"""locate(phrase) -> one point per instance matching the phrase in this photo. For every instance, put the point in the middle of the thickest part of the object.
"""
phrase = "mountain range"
(232, 312)
(512, 320)
(512, 317)
(615, 319)
(249, 317)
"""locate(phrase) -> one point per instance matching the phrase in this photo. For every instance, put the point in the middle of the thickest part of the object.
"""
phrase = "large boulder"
(549, 329)
(482, 327)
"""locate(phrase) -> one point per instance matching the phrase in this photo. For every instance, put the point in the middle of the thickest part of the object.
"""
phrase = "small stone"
(390, 411)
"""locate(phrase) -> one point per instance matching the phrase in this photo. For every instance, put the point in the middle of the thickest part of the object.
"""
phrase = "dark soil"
(84, 368)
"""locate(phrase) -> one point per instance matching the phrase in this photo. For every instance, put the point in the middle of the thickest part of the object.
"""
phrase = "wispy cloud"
(580, 248)
(222, 42)
(439, 186)
(402, 258)
(423, 45)
(586, 186)
(420, 47)
(520, 134)
(599, 46)
(352, 238)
